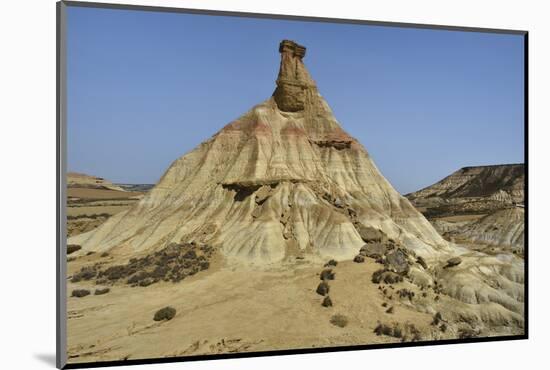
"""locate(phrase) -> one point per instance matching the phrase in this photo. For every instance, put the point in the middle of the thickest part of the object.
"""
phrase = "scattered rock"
(102, 291)
(359, 259)
(390, 310)
(79, 293)
(373, 250)
(397, 261)
(370, 234)
(455, 261)
(327, 302)
(384, 304)
(331, 263)
(322, 288)
(327, 274)
(166, 313)
(262, 194)
(422, 262)
(386, 276)
(443, 328)
(104, 254)
(71, 248)
(339, 320)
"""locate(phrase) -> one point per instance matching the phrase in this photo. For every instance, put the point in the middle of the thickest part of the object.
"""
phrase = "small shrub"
(339, 320)
(102, 291)
(104, 254)
(359, 259)
(406, 293)
(80, 293)
(86, 273)
(331, 263)
(166, 313)
(115, 272)
(465, 333)
(383, 329)
(437, 319)
(386, 276)
(377, 276)
(190, 255)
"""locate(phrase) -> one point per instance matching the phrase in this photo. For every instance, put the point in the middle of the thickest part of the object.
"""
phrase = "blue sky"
(146, 87)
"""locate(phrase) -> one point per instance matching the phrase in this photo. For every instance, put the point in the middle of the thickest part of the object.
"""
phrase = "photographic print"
(240, 184)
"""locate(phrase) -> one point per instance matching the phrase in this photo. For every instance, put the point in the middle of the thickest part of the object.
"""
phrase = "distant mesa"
(478, 181)
(478, 189)
(481, 204)
(80, 180)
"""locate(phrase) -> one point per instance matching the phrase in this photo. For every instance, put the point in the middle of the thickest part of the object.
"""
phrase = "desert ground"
(91, 201)
(236, 309)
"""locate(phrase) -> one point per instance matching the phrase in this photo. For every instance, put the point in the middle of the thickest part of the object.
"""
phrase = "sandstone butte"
(283, 179)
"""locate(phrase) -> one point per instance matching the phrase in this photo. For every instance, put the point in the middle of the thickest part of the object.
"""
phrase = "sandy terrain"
(242, 309)
(87, 208)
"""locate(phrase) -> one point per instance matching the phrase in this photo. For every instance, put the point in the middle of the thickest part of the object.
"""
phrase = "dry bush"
(86, 273)
(339, 320)
(79, 293)
(166, 313)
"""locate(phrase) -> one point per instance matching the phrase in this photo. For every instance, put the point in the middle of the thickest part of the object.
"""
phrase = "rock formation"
(493, 193)
(473, 189)
(284, 179)
(80, 180)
